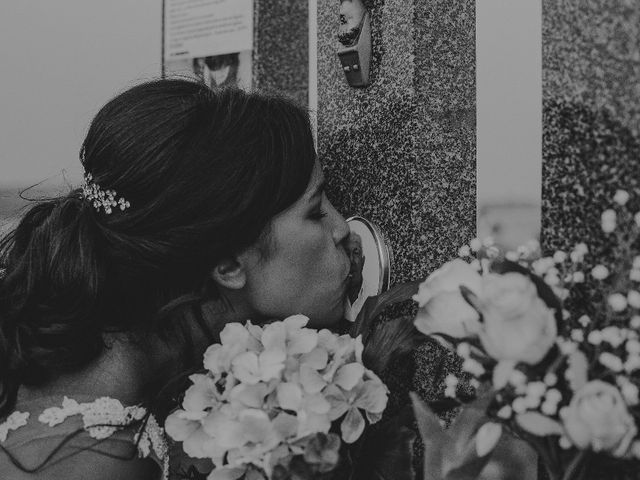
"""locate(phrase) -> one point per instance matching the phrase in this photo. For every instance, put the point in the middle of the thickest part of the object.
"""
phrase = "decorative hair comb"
(106, 199)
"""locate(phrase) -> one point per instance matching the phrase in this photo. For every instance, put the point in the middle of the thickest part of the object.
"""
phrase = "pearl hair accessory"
(102, 198)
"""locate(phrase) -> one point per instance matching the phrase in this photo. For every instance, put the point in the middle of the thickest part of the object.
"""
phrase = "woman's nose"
(340, 227)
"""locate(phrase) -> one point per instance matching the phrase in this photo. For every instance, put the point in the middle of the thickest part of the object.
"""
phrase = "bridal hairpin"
(102, 198)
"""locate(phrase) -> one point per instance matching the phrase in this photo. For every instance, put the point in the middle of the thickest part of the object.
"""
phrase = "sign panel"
(210, 40)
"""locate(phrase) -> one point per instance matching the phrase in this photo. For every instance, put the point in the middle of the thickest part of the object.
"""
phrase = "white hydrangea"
(266, 388)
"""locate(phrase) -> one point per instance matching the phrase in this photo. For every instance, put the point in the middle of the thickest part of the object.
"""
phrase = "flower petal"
(501, 373)
(448, 313)
(295, 322)
(254, 330)
(201, 395)
(359, 348)
(349, 375)
(271, 364)
(289, 396)
(372, 396)
(215, 359)
(256, 426)
(234, 334)
(312, 423)
(487, 438)
(373, 417)
(286, 425)
(316, 358)
(302, 341)
(576, 373)
(226, 473)
(538, 424)
(327, 340)
(274, 337)
(317, 404)
(339, 404)
(193, 445)
(245, 368)
(249, 395)
(352, 426)
(311, 380)
(179, 428)
(226, 431)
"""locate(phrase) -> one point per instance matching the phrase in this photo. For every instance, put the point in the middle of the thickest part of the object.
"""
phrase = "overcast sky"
(61, 60)
(509, 100)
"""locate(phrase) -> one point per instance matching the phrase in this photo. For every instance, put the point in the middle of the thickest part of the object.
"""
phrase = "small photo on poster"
(215, 71)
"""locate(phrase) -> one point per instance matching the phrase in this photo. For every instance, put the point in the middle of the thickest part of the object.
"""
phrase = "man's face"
(219, 76)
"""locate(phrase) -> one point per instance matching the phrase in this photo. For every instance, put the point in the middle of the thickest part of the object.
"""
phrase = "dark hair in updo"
(205, 172)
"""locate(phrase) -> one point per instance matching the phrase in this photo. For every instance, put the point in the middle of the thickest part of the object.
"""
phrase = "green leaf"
(461, 460)
(433, 437)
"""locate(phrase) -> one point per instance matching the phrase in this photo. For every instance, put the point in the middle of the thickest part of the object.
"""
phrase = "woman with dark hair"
(200, 207)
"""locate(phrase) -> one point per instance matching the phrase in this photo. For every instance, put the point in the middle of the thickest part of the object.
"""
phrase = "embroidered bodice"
(101, 419)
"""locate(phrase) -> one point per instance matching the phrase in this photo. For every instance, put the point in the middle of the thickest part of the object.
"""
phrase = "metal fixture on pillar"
(355, 42)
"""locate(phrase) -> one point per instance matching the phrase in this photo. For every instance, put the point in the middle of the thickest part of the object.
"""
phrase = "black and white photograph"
(320, 240)
(215, 71)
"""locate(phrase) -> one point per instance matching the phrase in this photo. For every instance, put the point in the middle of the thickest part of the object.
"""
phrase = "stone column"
(591, 116)
(281, 48)
(401, 151)
(591, 133)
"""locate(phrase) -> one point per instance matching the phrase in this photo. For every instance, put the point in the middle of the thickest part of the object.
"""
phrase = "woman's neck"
(121, 372)
(133, 372)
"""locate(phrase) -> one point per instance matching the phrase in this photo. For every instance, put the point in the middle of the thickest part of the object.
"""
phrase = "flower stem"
(575, 465)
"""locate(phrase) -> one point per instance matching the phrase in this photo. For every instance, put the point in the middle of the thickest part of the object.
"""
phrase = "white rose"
(443, 309)
(597, 418)
(518, 326)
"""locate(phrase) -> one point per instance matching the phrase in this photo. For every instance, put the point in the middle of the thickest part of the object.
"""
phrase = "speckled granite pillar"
(401, 152)
(591, 130)
(281, 48)
(591, 115)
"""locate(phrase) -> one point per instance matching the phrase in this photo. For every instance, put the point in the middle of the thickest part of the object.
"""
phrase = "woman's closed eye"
(317, 214)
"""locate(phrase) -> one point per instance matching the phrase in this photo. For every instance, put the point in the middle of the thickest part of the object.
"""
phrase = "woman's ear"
(229, 273)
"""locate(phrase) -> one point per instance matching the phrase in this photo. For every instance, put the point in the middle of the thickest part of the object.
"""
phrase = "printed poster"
(210, 40)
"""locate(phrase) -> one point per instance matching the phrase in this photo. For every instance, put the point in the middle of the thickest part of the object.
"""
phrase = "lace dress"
(49, 436)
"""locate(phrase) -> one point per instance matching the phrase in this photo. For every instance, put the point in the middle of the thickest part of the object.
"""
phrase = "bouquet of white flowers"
(271, 398)
(558, 368)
